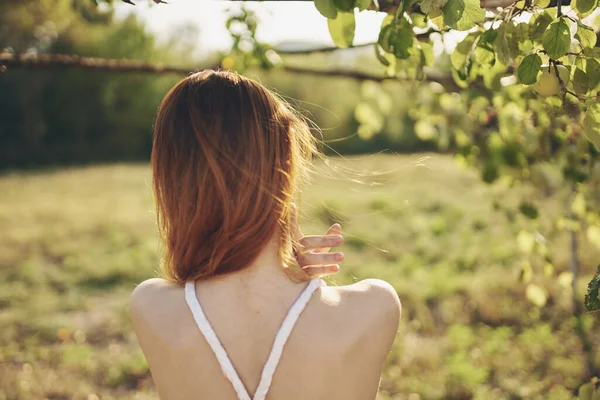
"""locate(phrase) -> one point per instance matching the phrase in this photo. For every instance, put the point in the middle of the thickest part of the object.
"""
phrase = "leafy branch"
(592, 298)
(53, 61)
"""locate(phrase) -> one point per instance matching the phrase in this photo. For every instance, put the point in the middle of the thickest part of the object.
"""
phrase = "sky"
(278, 21)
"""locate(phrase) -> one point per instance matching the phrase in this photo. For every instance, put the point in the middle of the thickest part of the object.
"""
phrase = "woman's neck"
(265, 273)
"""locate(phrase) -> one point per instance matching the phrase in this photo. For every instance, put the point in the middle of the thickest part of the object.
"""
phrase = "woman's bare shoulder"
(367, 311)
(373, 292)
(373, 297)
(153, 297)
(149, 288)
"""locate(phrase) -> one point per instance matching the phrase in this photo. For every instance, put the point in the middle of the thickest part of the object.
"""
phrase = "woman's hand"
(313, 255)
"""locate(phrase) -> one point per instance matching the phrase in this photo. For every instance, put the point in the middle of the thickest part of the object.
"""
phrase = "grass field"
(74, 242)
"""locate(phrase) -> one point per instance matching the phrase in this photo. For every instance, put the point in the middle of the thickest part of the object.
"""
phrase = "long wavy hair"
(228, 160)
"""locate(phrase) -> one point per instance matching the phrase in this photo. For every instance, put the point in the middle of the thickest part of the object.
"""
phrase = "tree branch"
(391, 5)
(55, 61)
(444, 80)
(60, 61)
(421, 37)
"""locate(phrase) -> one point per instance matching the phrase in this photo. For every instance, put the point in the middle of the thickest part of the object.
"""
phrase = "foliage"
(75, 242)
(557, 122)
(50, 117)
(590, 391)
(592, 298)
(503, 38)
(509, 131)
(246, 51)
(535, 48)
(61, 117)
(127, 1)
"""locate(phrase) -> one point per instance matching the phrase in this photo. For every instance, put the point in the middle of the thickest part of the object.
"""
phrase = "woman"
(242, 312)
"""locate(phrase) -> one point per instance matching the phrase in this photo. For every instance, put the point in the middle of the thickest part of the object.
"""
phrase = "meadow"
(74, 242)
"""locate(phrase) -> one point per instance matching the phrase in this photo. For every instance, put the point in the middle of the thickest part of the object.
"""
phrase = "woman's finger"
(306, 259)
(321, 270)
(335, 229)
(318, 242)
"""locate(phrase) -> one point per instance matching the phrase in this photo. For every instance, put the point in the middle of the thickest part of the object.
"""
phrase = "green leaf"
(366, 114)
(342, 28)
(385, 33)
(384, 38)
(388, 19)
(437, 19)
(427, 53)
(557, 39)
(593, 235)
(425, 130)
(585, 391)
(584, 7)
(484, 56)
(525, 242)
(501, 43)
(508, 41)
(585, 35)
(345, 5)
(488, 37)
(541, 3)
(380, 56)
(463, 15)
(490, 172)
(575, 175)
(565, 279)
(418, 20)
(462, 51)
(529, 210)
(592, 300)
(536, 294)
(401, 39)
(460, 76)
(592, 71)
(538, 25)
(431, 6)
(397, 38)
(591, 124)
(363, 4)
(484, 52)
(578, 205)
(521, 43)
(529, 68)
(406, 4)
(326, 8)
(580, 82)
(526, 272)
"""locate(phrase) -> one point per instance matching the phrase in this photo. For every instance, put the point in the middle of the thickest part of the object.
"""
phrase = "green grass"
(74, 242)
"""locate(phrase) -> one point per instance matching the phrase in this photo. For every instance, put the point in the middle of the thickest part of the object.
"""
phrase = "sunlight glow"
(295, 23)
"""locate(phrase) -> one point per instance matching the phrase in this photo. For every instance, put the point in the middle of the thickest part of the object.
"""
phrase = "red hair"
(228, 158)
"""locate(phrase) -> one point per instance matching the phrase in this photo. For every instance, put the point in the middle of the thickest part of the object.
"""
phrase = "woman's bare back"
(336, 349)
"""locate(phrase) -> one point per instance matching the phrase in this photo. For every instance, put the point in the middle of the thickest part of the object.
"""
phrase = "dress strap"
(280, 340)
(214, 342)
